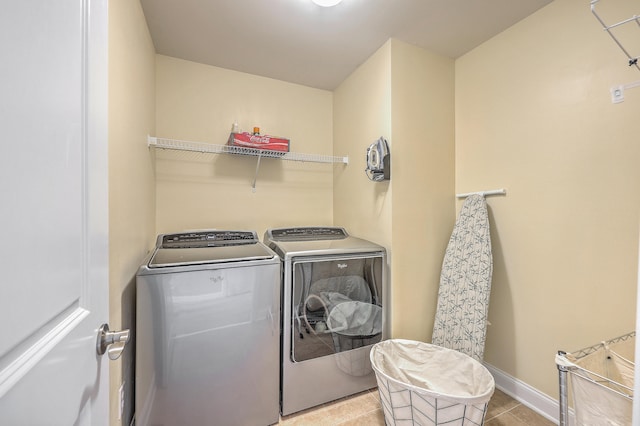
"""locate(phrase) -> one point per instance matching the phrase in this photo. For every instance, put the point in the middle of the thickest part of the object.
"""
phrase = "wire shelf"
(181, 145)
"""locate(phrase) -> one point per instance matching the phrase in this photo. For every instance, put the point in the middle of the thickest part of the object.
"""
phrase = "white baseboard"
(528, 396)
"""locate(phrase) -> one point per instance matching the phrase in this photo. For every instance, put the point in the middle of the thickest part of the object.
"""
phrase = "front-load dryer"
(335, 307)
(207, 331)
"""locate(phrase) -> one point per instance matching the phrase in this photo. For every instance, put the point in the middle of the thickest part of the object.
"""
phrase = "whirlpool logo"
(216, 278)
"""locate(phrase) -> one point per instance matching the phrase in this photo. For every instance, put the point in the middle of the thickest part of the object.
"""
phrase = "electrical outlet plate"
(617, 94)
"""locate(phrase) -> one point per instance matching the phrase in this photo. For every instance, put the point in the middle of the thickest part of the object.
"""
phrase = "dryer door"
(336, 304)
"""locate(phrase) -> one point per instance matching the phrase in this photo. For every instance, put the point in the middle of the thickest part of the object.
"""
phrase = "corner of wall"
(405, 94)
(131, 207)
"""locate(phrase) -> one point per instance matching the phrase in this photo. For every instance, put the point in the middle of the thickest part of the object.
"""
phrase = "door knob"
(111, 342)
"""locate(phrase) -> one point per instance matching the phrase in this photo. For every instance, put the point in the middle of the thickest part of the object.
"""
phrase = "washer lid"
(315, 241)
(203, 247)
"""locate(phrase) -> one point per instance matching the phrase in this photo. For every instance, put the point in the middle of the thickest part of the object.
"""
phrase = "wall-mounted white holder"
(617, 92)
(500, 191)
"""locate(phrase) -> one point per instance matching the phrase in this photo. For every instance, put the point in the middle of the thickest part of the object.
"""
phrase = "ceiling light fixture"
(326, 3)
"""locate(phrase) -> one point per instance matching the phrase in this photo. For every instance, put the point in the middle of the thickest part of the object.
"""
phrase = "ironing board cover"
(465, 282)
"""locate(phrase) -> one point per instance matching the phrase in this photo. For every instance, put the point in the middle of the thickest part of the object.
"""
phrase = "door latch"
(111, 342)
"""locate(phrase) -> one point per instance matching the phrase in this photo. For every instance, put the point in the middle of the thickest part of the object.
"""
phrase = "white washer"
(207, 331)
(335, 307)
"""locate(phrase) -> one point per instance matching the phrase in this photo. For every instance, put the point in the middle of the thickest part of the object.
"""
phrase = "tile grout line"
(369, 395)
(358, 416)
(503, 412)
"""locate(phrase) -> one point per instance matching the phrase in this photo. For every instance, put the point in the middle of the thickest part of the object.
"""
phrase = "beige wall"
(131, 178)
(361, 114)
(423, 183)
(534, 115)
(406, 95)
(196, 102)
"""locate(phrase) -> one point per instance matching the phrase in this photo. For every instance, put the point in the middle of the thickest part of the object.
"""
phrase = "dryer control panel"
(312, 233)
(211, 238)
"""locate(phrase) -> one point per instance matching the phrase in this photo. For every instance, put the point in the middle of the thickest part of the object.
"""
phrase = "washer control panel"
(211, 238)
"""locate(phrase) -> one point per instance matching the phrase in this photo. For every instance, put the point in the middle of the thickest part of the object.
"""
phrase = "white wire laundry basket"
(425, 384)
(601, 378)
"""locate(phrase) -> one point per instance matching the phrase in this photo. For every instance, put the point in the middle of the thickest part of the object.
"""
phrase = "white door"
(53, 212)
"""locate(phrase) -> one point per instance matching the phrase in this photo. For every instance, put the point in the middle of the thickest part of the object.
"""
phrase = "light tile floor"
(364, 409)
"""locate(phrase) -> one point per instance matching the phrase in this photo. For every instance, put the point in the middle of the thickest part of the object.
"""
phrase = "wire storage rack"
(623, 32)
(612, 30)
(601, 380)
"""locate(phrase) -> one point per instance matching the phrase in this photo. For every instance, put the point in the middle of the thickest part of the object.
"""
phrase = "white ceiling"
(300, 42)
